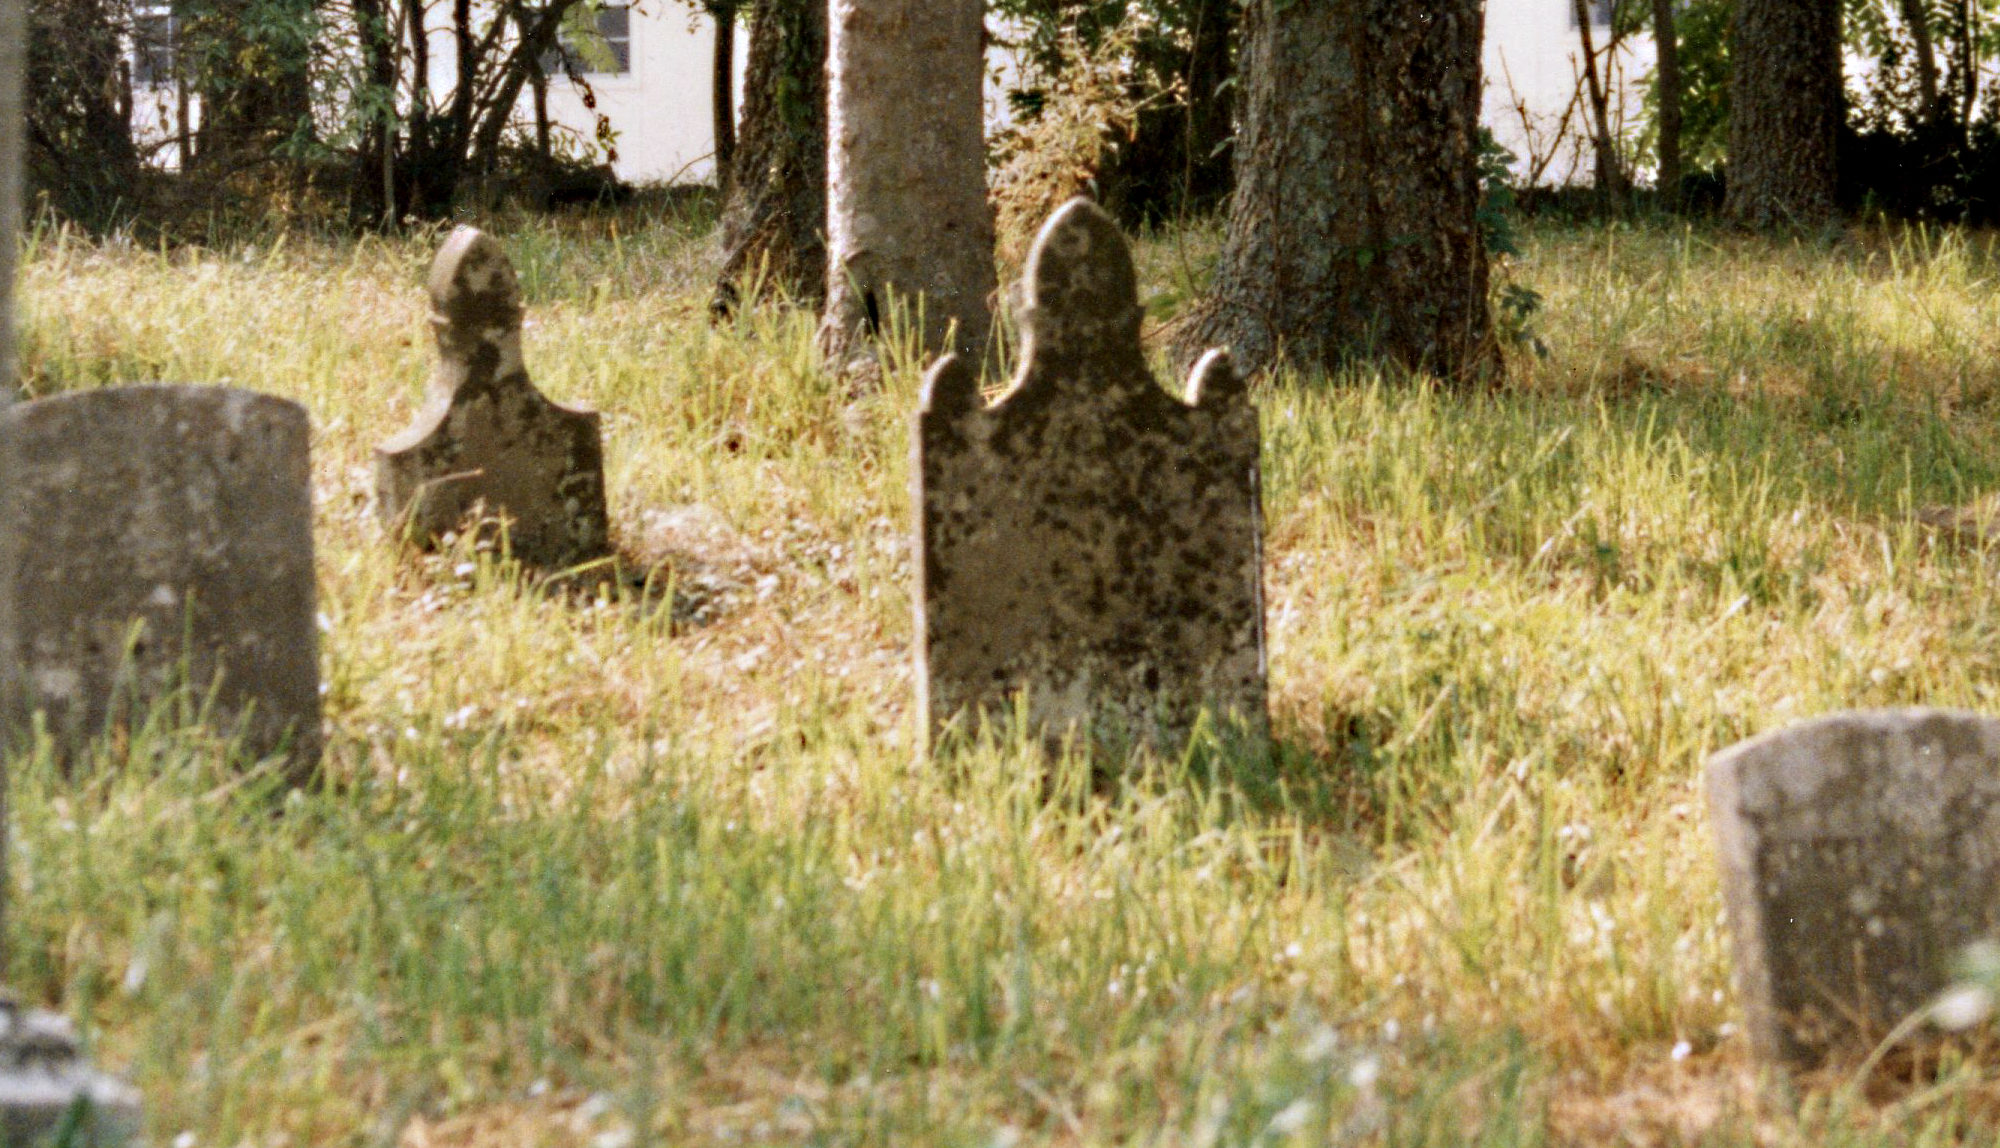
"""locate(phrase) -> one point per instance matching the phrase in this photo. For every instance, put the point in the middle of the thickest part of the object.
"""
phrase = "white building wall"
(661, 109)
(1535, 103)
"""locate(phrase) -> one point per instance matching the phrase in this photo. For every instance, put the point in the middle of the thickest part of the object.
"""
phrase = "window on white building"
(153, 47)
(1600, 12)
(599, 44)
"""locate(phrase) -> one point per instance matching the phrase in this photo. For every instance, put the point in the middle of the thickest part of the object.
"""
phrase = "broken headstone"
(172, 556)
(1860, 857)
(1089, 540)
(488, 445)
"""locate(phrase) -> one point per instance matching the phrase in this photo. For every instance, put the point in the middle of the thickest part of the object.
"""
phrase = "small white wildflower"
(1292, 1117)
(1322, 1045)
(1365, 1073)
(1682, 1050)
(1962, 1007)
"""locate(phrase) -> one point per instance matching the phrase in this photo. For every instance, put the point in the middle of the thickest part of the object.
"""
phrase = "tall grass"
(611, 871)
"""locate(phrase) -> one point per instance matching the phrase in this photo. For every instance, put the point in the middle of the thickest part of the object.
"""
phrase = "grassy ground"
(619, 872)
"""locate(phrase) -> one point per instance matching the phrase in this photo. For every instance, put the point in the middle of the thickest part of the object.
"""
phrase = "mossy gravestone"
(1860, 857)
(1089, 541)
(488, 445)
(167, 552)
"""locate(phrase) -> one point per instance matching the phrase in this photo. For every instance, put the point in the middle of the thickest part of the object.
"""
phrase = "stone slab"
(1089, 540)
(1860, 856)
(46, 1086)
(487, 443)
(169, 541)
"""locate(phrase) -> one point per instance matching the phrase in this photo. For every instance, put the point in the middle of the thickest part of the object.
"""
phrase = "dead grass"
(613, 866)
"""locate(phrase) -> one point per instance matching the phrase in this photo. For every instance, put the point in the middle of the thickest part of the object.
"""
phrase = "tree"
(1603, 140)
(1785, 112)
(722, 86)
(1354, 227)
(250, 63)
(1667, 93)
(80, 154)
(774, 213)
(1179, 69)
(908, 223)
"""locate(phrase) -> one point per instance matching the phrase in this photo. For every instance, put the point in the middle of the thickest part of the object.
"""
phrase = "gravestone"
(45, 1082)
(1089, 540)
(1860, 857)
(169, 553)
(487, 442)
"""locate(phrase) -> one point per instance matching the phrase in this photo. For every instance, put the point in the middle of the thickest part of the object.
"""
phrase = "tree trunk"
(1785, 111)
(1177, 162)
(1354, 228)
(1667, 92)
(1968, 68)
(722, 89)
(907, 215)
(13, 65)
(1610, 172)
(1919, 25)
(774, 211)
(371, 195)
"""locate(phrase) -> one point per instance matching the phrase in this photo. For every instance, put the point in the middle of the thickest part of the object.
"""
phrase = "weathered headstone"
(45, 1084)
(169, 549)
(1089, 539)
(487, 442)
(1860, 856)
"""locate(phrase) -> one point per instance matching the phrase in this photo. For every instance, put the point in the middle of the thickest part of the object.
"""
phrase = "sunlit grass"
(580, 870)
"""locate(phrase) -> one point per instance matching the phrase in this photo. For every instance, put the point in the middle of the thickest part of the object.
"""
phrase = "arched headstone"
(1089, 539)
(487, 442)
(1860, 857)
(168, 535)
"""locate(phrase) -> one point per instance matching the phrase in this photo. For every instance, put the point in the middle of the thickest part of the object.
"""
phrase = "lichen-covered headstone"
(1860, 857)
(1089, 540)
(168, 554)
(488, 444)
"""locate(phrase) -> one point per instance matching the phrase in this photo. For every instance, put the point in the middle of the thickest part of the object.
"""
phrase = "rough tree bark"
(1667, 92)
(774, 212)
(907, 216)
(1785, 110)
(1354, 227)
